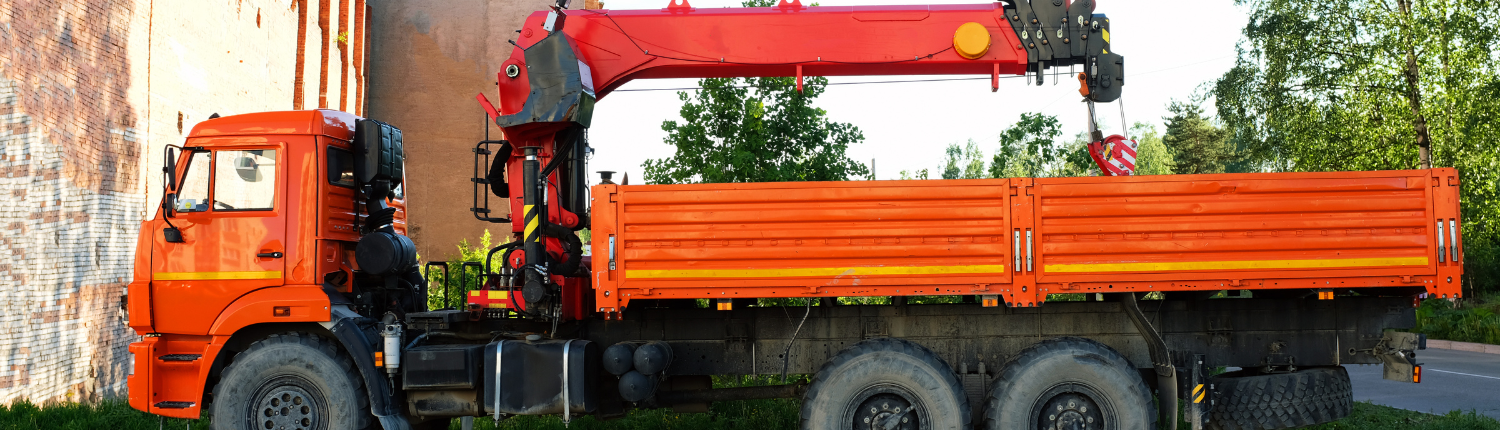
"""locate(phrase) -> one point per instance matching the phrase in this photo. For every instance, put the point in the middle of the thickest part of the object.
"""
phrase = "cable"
(830, 83)
(723, 61)
(786, 356)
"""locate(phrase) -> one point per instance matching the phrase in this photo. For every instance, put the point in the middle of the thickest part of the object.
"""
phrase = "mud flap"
(381, 398)
(1397, 351)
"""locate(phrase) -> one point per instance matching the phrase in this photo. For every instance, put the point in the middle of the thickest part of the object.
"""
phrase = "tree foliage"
(1330, 85)
(1153, 157)
(1027, 147)
(765, 131)
(964, 163)
(1196, 144)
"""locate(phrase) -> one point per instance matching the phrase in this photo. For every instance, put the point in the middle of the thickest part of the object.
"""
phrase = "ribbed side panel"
(1270, 225)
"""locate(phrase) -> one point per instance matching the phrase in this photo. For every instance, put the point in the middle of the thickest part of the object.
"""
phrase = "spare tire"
(1309, 396)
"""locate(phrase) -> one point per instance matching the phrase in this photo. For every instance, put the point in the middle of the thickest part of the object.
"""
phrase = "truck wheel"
(885, 384)
(291, 381)
(1309, 396)
(1069, 382)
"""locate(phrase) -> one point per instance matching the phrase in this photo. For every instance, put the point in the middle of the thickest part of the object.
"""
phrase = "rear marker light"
(990, 301)
(379, 359)
(725, 304)
(1325, 295)
(281, 311)
(1416, 374)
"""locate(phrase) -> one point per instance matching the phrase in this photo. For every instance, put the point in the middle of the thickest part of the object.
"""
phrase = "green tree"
(1027, 147)
(1195, 143)
(964, 163)
(756, 130)
(1329, 85)
(762, 132)
(1153, 157)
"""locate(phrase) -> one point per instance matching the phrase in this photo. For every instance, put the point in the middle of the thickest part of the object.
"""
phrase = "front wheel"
(291, 381)
(885, 384)
(1067, 383)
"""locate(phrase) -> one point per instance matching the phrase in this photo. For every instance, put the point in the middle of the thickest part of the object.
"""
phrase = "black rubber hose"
(1166, 374)
(575, 248)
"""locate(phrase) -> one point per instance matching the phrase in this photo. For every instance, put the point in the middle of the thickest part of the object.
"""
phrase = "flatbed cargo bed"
(1021, 239)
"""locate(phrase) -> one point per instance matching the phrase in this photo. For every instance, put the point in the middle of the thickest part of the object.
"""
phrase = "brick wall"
(427, 61)
(90, 93)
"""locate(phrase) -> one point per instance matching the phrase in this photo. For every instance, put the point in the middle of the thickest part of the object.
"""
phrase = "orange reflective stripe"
(814, 272)
(199, 276)
(1232, 265)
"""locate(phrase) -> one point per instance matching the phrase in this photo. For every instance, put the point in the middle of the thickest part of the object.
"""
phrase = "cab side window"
(192, 194)
(244, 180)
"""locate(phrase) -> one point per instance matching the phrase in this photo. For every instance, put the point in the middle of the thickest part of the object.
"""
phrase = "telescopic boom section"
(568, 59)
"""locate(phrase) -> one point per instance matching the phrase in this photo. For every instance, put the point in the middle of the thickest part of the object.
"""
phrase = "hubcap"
(1071, 411)
(286, 404)
(885, 411)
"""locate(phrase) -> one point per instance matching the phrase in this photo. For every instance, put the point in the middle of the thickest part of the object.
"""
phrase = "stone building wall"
(90, 93)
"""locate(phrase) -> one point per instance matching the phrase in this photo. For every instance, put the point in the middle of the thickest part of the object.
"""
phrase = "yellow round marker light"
(971, 41)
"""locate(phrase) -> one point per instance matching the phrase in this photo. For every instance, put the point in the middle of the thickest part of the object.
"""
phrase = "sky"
(1162, 63)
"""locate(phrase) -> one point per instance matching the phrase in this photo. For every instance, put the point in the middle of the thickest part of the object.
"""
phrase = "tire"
(313, 384)
(1309, 396)
(1067, 382)
(900, 379)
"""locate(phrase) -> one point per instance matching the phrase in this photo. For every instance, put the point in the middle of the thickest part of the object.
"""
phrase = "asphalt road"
(1451, 380)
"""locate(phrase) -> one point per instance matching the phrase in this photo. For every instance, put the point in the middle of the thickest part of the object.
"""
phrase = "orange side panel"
(807, 239)
(1025, 238)
(1176, 232)
(304, 303)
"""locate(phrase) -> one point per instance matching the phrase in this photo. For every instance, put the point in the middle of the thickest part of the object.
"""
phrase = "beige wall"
(90, 92)
(427, 61)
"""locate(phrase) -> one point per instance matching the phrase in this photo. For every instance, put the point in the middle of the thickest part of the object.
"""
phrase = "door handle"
(269, 255)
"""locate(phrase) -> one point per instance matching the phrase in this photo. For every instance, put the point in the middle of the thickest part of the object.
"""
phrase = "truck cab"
(257, 230)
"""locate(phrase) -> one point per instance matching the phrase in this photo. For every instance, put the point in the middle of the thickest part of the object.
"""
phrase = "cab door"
(230, 210)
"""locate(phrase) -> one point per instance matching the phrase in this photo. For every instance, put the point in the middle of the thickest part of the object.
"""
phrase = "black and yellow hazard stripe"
(533, 220)
(1199, 393)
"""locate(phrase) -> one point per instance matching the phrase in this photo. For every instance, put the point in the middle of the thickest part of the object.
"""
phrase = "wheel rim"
(1072, 407)
(885, 408)
(288, 403)
(1071, 411)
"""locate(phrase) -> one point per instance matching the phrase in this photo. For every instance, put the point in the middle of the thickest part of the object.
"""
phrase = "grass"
(1478, 321)
(755, 414)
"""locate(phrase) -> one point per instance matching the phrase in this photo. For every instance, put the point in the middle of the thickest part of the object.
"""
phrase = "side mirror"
(169, 205)
(169, 168)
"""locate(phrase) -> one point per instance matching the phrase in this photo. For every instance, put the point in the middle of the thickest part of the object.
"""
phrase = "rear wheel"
(885, 384)
(292, 381)
(1308, 396)
(1069, 382)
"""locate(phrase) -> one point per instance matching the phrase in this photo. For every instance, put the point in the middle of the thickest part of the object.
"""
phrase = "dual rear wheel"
(1063, 383)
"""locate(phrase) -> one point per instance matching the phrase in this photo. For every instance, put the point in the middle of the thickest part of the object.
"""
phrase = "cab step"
(181, 357)
(174, 405)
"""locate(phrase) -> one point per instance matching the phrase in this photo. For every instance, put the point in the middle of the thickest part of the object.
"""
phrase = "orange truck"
(276, 288)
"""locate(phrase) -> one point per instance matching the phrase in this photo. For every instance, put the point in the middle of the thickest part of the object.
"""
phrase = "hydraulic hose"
(1166, 374)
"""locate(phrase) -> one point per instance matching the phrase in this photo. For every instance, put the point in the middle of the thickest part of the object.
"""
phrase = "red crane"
(568, 59)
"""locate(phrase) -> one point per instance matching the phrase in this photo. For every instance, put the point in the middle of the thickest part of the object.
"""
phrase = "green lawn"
(760, 414)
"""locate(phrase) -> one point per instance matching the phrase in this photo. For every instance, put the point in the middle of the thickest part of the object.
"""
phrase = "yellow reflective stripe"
(1231, 265)
(199, 276)
(499, 295)
(1199, 399)
(814, 272)
(497, 306)
(533, 223)
(1106, 37)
